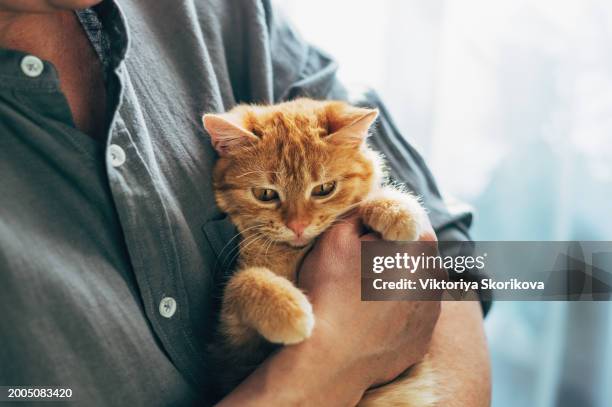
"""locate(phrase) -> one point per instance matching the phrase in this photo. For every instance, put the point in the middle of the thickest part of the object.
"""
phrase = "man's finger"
(428, 236)
(370, 237)
(349, 226)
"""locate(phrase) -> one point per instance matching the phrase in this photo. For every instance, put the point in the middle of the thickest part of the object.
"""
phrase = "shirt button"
(116, 155)
(167, 307)
(32, 66)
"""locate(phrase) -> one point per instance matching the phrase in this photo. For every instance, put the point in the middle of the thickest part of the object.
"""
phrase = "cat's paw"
(395, 220)
(262, 300)
(290, 319)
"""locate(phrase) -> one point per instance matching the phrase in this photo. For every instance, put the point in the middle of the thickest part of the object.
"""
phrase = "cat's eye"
(323, 190)
(265, 194)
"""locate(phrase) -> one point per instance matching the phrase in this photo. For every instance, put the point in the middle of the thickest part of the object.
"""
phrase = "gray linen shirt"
(94, 236)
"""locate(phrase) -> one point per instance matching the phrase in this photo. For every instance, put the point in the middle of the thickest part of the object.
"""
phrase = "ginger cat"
(285, 173)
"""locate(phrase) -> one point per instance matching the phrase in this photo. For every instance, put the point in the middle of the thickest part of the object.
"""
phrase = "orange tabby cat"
(285, 173)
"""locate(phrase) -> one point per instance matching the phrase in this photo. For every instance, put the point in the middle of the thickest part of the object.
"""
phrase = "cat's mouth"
(299, 243)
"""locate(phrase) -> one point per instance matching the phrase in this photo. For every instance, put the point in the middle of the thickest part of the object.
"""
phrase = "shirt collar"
(116, 28)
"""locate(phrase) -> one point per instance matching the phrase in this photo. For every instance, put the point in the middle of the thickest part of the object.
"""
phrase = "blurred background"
(510, 103)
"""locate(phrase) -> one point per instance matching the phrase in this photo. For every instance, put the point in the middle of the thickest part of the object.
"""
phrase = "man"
(109, 237)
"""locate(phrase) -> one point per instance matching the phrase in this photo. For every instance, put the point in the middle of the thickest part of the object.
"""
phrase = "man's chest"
(147, 186)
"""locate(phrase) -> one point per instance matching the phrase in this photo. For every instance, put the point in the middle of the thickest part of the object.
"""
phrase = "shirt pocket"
(223, 238)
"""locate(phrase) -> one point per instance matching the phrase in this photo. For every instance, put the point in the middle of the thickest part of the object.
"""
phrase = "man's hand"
(388, 336)
(355, 344)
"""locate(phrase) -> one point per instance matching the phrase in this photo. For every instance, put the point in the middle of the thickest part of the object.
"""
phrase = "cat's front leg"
(396, 215)
(257, 299)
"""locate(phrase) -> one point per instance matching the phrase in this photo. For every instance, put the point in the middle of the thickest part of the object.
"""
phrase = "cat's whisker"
(270, 243)
(250, 242)
(356, 204)
(220, 259)
(242, 249)
(247, 239)
(229, 256)
(257, 172)
(267, 248)
(233, 255)
(236, 236)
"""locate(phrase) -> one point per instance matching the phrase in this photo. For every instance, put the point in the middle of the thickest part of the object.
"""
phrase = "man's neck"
(35, 33)
(59, 38)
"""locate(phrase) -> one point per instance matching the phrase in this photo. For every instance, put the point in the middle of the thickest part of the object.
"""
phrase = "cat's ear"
(350, 126)
(226, 132)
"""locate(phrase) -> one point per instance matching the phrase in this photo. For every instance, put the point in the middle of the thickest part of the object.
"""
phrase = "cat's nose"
(297, 226)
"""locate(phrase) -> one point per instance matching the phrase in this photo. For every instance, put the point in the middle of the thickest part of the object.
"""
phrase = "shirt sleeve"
(302, 70)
